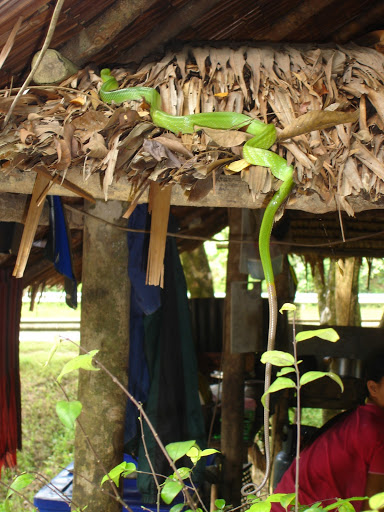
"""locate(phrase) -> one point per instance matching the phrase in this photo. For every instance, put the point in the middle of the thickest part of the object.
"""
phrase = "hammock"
(10, 403)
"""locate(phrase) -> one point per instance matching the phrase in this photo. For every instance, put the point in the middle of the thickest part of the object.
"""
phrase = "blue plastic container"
(57, 495)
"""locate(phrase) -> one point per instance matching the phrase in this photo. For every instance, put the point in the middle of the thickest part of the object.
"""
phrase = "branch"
(51, 30)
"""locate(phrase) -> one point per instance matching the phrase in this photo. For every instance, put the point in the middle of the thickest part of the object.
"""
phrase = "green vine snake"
(255, 152)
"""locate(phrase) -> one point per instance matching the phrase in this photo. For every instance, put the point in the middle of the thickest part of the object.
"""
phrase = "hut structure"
(313, 69)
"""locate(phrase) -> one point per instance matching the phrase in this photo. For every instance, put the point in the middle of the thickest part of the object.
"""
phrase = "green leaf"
(337, 379)
(277, 385)
(122, 469)
(261, 506)
(285, 371)
(327, 334)
(277, 358)
(183, 473)
(287, 307)
(19, 483)
(52, 352)
(170, 490)
(287, 500)
(281, 498)
(179, 449)
(346, 507)
(220, 504)
(178, 507)
(84, 362)
(311, 376)
(377, 500)
(194, 454)
(315, 375)
(208, 451)
(68, 412)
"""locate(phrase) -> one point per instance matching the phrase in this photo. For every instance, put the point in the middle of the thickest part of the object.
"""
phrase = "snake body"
(255, 152)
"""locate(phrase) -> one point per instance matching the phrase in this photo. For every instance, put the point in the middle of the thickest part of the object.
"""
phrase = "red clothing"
(337, 463)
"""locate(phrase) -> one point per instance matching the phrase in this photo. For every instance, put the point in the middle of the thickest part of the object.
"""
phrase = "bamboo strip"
(40, 190)
(159, 204)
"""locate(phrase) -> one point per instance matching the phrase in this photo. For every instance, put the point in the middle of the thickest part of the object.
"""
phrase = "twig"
(9, 486)
(9, 44)
(51, 30)
(298, 415)
(144, 414)
(153, 473)
(116, 494)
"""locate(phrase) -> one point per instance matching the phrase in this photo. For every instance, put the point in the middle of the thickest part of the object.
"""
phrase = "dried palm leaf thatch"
(305, 91)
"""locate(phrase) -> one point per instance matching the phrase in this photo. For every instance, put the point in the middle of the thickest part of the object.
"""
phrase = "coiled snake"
(255, 152)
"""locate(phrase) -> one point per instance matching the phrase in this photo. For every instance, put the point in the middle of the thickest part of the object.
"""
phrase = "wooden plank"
(230, 192)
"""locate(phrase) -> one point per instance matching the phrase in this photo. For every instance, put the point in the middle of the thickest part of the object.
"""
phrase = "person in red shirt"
(347, 458)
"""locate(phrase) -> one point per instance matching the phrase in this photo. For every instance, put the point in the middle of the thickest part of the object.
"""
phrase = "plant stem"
(144, 416)
(298, 414)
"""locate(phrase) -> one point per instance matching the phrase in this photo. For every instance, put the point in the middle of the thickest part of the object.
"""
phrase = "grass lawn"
(47, 444)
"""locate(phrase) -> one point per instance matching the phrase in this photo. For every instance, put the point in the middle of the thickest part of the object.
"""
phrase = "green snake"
(255, 152)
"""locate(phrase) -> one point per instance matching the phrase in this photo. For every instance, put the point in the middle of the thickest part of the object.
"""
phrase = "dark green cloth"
(173, 404)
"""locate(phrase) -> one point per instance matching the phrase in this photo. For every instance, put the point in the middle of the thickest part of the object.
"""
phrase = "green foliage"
(279, 384)
(315, 375)
(170, 490)
(179, 449)
(68, 412)
(289, 365)
(220, 504)
(327, 334)
(277, 358)
(121, 470)
(173, 485)
(377, 501)
(195, 453)
(83, 361)
(19, 483)
(47, 444)
(177, 508)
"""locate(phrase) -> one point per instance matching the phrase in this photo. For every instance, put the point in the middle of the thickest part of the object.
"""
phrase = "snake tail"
(264, 241)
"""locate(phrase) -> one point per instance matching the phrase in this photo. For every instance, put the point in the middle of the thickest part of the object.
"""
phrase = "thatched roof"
(68, 129)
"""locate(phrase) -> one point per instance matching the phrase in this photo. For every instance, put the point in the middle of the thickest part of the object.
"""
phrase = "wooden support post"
(104, 327)
(232, 444)
(347, 289)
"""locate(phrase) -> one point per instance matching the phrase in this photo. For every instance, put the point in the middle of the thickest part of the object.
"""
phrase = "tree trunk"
(197, 273)
(232, 445)
(347, 293)
(105, 327)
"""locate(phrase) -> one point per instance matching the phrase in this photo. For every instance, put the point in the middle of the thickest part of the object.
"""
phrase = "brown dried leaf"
(26, 136)
(96, 147)
(174, 144)
(227, 138)
(91, 121)
(63, 155)
(317, 120)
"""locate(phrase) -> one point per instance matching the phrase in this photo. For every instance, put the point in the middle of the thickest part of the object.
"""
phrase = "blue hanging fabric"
(58, 249)
(144, 300)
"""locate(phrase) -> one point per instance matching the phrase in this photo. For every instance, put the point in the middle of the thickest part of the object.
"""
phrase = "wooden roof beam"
(182, 19)
(230, 192)
(83, 46)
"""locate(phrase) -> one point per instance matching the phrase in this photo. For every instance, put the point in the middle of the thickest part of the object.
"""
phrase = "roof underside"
(296, 21)
(128, 34)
